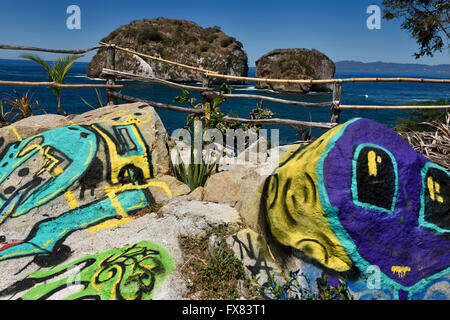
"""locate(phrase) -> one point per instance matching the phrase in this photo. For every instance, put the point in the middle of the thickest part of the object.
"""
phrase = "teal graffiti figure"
(63, 164)
(56, 164)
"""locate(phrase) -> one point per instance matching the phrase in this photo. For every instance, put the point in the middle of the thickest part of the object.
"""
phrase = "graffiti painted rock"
(129, 273)
(88, 174)
(251, 248)
(360, 196)
(176, 187)
(239, 186)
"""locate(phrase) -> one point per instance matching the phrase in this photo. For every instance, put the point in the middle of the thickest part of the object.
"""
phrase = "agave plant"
(56, 72)
(195, 174)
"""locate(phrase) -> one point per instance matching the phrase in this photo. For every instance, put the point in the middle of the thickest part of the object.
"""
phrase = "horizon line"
(254, 66)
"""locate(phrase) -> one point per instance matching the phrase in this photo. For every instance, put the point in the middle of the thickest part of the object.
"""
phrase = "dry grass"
(211, 274)
(435, 145)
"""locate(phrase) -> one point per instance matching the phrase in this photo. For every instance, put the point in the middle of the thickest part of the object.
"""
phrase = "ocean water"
(352, 94)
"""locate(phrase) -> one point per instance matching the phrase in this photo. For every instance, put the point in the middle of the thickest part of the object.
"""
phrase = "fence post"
(335, 107)
(111, 64)
(205, 100)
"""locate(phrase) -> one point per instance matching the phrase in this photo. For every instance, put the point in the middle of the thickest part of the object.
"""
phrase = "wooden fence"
(207, 92)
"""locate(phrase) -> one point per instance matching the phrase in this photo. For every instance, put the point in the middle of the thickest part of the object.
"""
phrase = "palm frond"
(57, 71)
(61, 67)
(37, 59)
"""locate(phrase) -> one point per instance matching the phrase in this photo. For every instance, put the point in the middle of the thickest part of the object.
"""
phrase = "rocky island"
(177, 40)
(294, 64)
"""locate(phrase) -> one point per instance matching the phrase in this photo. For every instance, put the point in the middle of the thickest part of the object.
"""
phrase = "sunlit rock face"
(295, 64)
(176, 40)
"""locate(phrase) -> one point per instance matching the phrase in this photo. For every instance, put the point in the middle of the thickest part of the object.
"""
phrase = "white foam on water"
(245, 88)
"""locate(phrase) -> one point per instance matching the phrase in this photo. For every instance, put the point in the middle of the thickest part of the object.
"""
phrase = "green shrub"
(293, 290)
(209, 35)
(417, 117)
(259, 113)
(131, 32)
(225, 42)
(211, 38)
(113, 34)
(150, 35)
(203, 47)
(188, 39)
(178, 37)
(239, 44)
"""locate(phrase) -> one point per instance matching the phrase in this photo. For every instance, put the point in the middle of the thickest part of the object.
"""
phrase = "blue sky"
(334, 27)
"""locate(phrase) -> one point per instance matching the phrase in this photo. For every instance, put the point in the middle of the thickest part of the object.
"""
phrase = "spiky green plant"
(98, 100)
(56, 72)
(21, 105)
(5, 116)
(195, 174)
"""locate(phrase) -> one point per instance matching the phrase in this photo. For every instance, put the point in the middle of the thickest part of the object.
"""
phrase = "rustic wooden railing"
(208, 93)
(55, 84)
(58, 85)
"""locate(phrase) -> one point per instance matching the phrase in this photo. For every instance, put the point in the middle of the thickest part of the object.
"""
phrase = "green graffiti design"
(129, 273)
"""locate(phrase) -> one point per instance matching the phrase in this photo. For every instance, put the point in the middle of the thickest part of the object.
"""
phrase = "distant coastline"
(362, 94)
(379, 66)
(342, 66)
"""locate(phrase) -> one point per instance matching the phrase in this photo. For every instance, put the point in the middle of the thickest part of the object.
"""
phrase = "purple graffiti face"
(392, 205)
